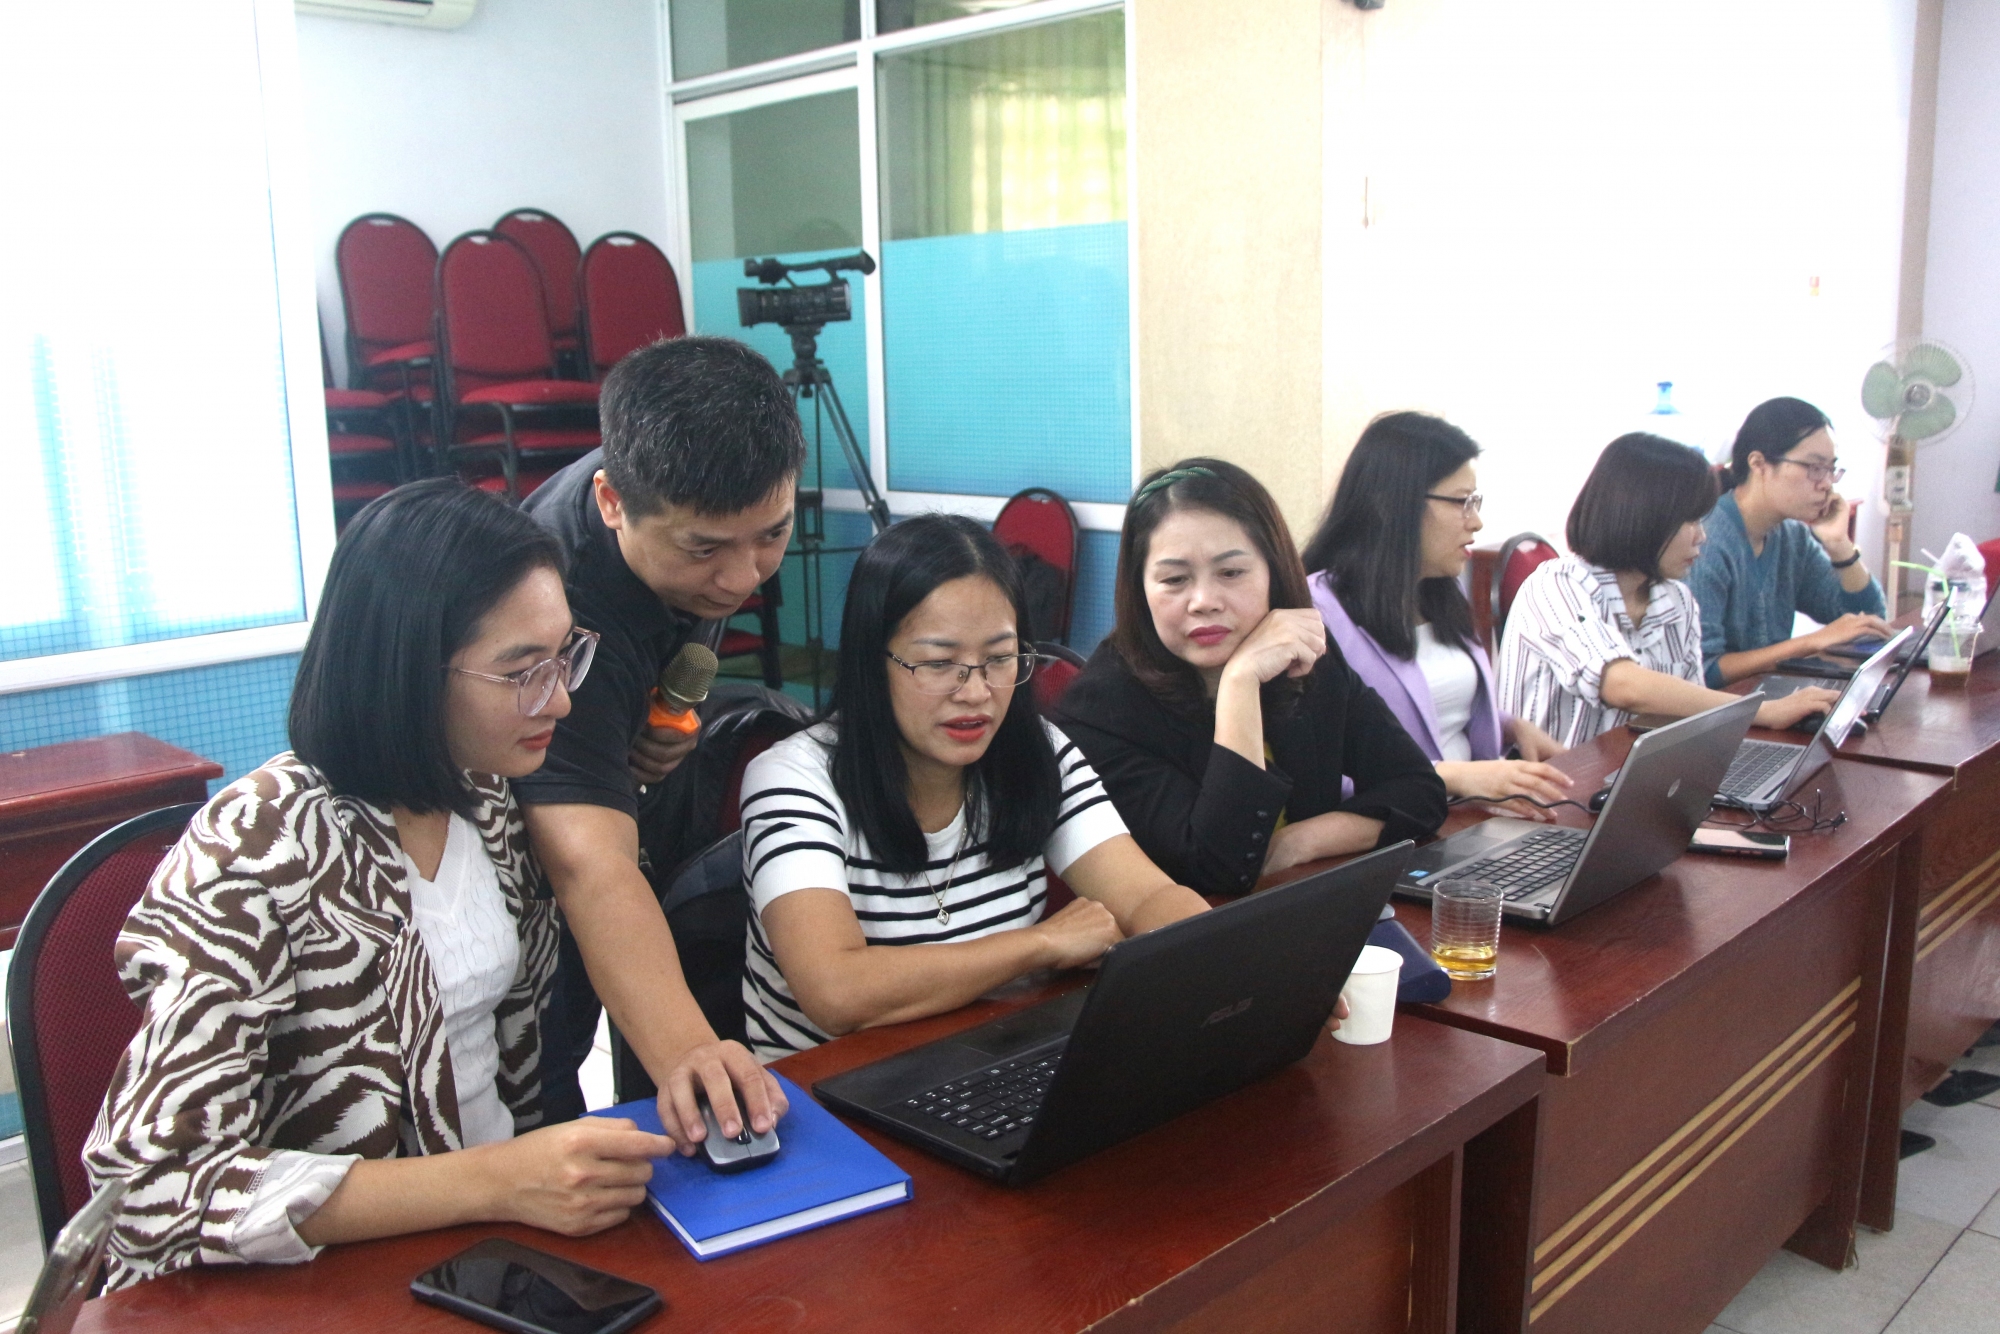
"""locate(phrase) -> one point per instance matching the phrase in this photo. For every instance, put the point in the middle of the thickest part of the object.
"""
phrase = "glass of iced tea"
(1465, 928)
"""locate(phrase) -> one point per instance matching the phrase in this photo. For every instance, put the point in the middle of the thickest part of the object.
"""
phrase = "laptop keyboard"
(1756, 763)
(992, 1102)
(1536, 862)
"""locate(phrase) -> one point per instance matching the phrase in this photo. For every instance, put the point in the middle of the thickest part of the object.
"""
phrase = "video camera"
(812, 304)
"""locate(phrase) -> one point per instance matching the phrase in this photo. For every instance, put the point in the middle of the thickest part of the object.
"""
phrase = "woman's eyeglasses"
(1470, 504)
(942, 676)
(1819, 472)
(536, 685)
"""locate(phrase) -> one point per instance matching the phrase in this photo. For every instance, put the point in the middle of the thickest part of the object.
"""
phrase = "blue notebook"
(823, 1173)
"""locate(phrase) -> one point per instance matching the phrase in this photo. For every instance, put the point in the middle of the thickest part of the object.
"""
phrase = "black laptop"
(1550, 873)
(1176, 1018)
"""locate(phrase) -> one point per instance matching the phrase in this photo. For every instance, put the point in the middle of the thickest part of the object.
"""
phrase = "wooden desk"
(55, 799)
(1324, 1198)
(1951, 728)
(1711, 1044)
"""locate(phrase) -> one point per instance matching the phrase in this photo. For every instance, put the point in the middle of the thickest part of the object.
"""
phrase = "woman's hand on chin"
(1288, 641)
(1077, 935)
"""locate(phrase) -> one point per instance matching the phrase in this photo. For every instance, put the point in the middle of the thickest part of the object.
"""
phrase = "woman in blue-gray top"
(1778, 545)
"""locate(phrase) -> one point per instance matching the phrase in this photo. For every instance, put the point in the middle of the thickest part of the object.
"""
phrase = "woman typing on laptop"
(1220, 722)
(1611, 630)
(897, 853)
(1385, 563)
(341, 964)
(1779, 546)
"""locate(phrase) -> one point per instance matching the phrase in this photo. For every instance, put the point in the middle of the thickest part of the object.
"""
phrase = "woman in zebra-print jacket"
(342, 964)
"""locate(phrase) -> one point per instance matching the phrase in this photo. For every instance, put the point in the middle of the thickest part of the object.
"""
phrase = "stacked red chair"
(628, 297)
(385, 265)
(553, 246)
(363, 444)
(503, 399)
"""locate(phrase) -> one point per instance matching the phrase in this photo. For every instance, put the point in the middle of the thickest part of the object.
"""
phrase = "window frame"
(853, 64)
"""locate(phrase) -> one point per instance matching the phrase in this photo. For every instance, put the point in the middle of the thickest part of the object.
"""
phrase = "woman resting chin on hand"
(897, 853)
(1223, 724)
(339, 1041)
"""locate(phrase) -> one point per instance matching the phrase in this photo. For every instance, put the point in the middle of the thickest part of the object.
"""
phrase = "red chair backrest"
(385, 265)
(1990, 549)
(627, 297)
(552, 245)
(1520, 556)
(1059, 666)
(67, 1012)
(490, 314)
(1041, 521)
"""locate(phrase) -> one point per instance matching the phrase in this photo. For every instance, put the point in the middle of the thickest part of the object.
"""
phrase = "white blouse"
(475, 953)
(1454, 681)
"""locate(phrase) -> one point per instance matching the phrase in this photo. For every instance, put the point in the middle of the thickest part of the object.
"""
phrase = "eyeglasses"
(536, 685)
(942, 676)
(1470, 504)
(1819, 472)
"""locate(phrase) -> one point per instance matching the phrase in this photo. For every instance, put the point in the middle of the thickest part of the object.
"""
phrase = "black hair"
(1370, 542)
(701, 422)
(1773, 429)
(1013, 793)
(1639, 493)
(1221, 488)
(410, 579)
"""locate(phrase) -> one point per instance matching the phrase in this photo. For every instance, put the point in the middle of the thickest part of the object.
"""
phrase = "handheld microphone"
(684, 683)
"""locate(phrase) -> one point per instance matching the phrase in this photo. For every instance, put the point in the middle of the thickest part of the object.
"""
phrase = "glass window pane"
(784, 180)
(1004, 291)
(896, 15)
(713, 35)
(153, 258)
(1021, 129)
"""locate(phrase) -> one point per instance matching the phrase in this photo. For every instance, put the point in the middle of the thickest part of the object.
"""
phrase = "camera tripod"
(809, 379)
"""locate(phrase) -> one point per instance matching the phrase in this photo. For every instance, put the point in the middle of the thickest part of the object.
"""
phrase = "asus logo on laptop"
(1228, 1012)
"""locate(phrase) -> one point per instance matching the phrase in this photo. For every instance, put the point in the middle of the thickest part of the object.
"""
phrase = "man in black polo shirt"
(682, 514)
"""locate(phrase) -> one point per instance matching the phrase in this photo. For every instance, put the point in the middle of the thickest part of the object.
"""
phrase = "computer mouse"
(724, 1153)
(1599, 797)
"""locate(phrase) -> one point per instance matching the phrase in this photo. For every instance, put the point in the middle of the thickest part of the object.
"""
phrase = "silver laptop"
(1777, 687)
(1765, 773)
(1550, 873)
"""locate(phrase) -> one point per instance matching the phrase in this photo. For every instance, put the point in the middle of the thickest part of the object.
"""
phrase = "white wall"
(1956, 476)
(1535, 212)
(555, 104)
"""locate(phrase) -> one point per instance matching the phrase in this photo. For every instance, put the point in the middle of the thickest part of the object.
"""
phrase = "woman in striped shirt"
(1612, 630)
(927, 811)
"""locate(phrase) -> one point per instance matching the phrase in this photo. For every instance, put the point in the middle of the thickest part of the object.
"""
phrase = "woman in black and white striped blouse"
(927, 811)
(1611, 630)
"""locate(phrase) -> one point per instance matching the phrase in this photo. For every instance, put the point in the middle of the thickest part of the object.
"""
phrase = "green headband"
(1167, 479)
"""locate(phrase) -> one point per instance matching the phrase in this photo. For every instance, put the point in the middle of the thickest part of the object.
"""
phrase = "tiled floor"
(1938, 1272)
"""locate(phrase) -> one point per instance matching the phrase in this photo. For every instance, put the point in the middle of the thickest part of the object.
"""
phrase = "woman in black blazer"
(1218, 716)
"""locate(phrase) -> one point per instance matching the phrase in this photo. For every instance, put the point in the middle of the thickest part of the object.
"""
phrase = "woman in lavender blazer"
(1385, 565)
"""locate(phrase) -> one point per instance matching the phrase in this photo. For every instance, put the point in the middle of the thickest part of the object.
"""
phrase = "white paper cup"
(1371, 997)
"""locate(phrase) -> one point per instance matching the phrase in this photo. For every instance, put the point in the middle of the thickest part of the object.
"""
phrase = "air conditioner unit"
(413, 13)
